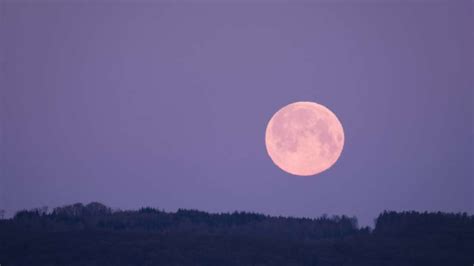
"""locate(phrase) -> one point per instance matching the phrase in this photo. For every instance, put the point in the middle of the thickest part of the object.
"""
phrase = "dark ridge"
(94, 234)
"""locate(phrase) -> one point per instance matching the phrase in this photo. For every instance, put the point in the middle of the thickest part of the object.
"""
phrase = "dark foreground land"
(95, 235)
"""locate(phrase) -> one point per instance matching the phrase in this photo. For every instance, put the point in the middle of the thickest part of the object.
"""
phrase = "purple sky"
(166, 105)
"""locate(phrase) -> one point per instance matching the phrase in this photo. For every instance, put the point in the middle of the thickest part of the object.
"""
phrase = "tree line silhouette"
(94, 234)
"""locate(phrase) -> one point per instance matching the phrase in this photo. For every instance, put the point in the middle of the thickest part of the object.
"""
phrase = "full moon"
(304, 138)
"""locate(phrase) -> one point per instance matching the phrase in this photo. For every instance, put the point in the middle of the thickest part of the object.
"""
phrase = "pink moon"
(304, 138)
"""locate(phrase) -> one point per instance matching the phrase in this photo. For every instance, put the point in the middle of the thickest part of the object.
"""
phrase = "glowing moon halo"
(304, 138)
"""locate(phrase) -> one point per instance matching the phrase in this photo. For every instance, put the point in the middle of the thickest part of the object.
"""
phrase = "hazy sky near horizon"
(165, 105)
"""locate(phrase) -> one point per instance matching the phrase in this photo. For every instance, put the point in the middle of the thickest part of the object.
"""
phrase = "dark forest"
(94, 234)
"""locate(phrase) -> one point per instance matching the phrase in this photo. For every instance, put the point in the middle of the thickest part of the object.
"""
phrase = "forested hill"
(94, 234)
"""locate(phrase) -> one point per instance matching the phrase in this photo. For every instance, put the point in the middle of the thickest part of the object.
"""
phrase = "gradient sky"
(166, 105)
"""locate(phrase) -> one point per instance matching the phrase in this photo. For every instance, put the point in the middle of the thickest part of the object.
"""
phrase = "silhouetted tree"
(93, 234)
